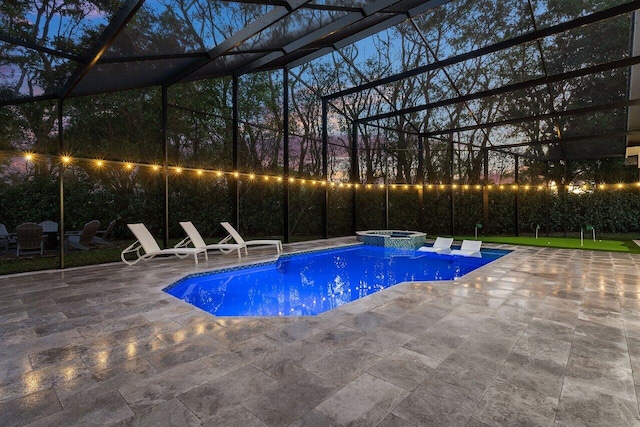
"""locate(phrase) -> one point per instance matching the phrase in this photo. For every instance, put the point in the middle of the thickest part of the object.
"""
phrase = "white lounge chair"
(194, 237)
(469, 248)
(148, 244)
(442, 245)
(233, 234)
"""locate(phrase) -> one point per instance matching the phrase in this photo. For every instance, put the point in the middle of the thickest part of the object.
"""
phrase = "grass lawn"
(612, 244)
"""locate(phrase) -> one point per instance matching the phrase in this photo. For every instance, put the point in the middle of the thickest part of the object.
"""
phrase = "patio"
(540, 337)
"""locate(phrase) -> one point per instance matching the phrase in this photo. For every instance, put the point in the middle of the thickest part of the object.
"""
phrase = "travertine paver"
(540, 337)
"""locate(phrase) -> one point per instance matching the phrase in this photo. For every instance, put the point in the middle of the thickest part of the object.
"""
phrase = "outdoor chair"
(147, 248)
(234, 235)
(29, 238)
(442, 245)
(102, 236)
(84, 240)
(194, 237)
(469, 248)
(5, 238)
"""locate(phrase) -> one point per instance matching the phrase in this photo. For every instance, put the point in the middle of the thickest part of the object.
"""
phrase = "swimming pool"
(314, 282)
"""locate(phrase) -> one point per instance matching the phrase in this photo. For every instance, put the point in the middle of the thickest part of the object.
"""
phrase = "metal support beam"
(355, 177)
(27, 99)
(285, 125)
(39, 48)
(420, 182)
(61, 169)
(606, 135)
(612, 65)
(386, 189)
(516, 225)
(395, 18)
(525, 38)
(339, 24)
(106, 39)
(238, 38)
(165, 164)
(452, 226)
(547, 219)
(485, 190)
(535, 118)
(235, 188)
(325, 174)
(563, 188)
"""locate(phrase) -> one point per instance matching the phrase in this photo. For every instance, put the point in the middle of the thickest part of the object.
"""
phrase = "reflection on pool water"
(314, 282)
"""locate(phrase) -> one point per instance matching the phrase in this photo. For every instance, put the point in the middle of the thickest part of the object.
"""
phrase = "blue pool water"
(314, 282)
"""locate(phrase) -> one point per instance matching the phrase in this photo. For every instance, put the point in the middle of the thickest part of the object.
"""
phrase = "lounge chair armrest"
(183, 243)
(227, 239)
(134, 247)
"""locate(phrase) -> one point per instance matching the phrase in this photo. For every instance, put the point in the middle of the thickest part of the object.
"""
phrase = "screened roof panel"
(592, 148)
(575, 54)
(352, 3)
(477, 24)
(552, 12)
(27, 72)
(109, 77)
(67, 26)
(293, 27)
(221, 66)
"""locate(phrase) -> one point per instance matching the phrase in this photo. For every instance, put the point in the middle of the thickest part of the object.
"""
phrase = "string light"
(130, 166)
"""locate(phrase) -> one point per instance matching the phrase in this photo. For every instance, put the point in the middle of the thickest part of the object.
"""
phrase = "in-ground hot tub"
(392, 238)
